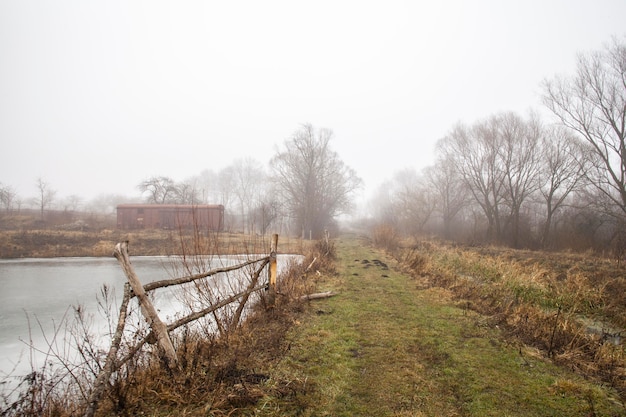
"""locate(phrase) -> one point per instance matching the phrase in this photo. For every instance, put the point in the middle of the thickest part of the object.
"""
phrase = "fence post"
(273, 270)
(147, 309)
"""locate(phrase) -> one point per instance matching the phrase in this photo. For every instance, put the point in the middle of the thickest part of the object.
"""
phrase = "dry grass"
(571, 307)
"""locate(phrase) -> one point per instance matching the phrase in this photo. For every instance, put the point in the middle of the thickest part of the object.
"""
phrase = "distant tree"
(158, 190)
(564, 163)
(265, 213)
(185, 193)
(72, 202)
(7, 196)
(592, 103)
(204, 185)
(497, 159)
(475, 152)
(382, 217)
(315, 184)
(249, 181)
(224, 192)
(449, 192)
(519, 154)
(225, 185)
(382, 207)
(412, 201)
(45, 196)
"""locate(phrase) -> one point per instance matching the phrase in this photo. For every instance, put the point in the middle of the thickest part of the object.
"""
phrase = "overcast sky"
(96, 96)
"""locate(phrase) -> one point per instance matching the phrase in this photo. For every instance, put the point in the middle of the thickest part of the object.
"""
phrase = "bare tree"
(7, 196)
(72, 202)
(314, 182)
(449, 192)
(475, 152)
(265, 213)
(519, 149)
(45, 195)
(186, 193)
(224, 191)
(205, 186)
(497, 160)
(412, 201)
(249, 181)
(592, 103)
(381, 204)
(159, 190)
(563, 167)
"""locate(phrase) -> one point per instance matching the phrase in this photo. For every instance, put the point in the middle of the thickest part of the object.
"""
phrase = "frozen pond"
(40, 292)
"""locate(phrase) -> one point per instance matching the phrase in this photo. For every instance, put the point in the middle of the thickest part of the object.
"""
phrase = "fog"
(97, 96)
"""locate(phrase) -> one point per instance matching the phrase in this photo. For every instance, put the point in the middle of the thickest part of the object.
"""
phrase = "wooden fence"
(159, 330)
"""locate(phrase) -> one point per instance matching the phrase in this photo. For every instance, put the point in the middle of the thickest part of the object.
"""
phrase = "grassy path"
(384, 347)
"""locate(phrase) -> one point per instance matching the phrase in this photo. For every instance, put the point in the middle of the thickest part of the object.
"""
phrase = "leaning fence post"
(147, 309)
(273, 270)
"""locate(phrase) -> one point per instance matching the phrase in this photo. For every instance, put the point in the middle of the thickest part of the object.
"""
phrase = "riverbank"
(47, 243)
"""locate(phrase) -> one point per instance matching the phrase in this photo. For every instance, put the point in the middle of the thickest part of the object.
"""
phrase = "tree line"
(523, 181)
(306, 187)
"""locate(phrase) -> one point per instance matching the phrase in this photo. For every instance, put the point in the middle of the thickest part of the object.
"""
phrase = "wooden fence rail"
(159, 330)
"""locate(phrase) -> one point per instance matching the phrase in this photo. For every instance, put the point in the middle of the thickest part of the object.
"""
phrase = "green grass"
(384, 347)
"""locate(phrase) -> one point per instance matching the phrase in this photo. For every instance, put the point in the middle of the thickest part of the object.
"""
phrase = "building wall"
(170, 216)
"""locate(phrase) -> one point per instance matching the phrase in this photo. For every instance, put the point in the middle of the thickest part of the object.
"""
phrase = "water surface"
(36, 294)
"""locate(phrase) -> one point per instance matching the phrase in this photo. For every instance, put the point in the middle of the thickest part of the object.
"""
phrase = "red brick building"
(170, 216)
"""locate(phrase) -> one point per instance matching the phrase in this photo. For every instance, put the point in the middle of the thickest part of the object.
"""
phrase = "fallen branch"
(318, 295)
